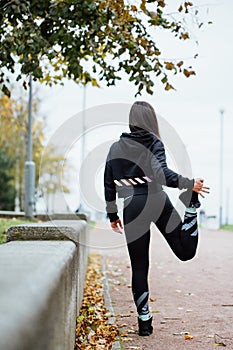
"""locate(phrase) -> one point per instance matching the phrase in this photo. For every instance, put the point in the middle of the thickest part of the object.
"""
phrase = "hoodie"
(136, 164)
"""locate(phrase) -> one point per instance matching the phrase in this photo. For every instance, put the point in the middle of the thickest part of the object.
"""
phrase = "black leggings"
(182, 237)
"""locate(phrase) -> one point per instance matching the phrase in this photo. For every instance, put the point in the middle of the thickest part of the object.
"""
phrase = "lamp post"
(83, 122)
(83, 147)
(221, 168)
(227, 206)
(29, 198)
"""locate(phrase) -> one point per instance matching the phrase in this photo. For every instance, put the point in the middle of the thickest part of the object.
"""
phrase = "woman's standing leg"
(139, 257)
(138, 242)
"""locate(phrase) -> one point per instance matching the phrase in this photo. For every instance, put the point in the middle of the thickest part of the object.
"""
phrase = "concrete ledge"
(42, 276)
(38, 295)
(63, 216)
(45, 217)
(59, 230)
(11, 214)
(75, 230)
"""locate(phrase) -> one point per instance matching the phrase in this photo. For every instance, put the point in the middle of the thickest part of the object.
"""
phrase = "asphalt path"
(193, 298)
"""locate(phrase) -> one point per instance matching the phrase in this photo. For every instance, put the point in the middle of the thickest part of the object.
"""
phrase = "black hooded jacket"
(136, 164)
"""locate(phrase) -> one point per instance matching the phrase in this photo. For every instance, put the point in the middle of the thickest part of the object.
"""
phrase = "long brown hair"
(142, 116)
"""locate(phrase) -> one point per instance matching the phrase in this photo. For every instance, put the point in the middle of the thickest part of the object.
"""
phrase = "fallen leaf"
(124, 334)
(121, 315)
(188, 336)
(80, 318)
(181, 333)
(126, 339)
(116, 274)
(132, 331)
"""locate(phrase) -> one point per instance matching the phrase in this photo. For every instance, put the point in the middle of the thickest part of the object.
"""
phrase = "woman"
(136, 170)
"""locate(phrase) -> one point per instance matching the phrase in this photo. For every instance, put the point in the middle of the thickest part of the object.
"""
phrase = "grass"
(6, 223)
(92, 224)
(227, 227)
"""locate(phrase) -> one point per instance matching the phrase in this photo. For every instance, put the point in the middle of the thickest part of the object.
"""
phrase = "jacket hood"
(135, 144)
(143, 137)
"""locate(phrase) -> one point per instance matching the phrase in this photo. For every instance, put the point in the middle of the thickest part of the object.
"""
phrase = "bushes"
(7, 189)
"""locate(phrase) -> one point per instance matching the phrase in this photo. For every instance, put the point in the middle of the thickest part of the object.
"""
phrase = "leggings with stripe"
(181, 236)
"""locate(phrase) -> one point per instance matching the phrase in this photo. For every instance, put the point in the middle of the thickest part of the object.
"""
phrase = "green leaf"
(6, 91)
(164, 80)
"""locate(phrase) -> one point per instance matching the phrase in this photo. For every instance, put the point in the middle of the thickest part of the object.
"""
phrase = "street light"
(83, 146)
(221, 167)
(227, 206)
(29, 198)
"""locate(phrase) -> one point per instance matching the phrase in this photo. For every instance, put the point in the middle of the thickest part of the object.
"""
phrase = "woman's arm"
(162, 174)
(110, 192)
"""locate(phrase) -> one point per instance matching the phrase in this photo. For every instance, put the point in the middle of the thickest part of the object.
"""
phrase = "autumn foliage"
(93, 329)
(13, 146)
(89, 41)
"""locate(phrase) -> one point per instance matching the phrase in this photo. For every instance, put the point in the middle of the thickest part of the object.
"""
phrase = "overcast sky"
(193, 109)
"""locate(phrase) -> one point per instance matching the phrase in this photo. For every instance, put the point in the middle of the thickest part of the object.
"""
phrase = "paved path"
(194, 297)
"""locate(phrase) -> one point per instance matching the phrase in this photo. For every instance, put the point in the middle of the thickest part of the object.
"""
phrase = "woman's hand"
(117, 226)
(199, 187)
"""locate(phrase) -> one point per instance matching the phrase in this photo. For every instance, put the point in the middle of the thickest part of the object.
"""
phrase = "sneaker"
(190, 199)
(145, 327)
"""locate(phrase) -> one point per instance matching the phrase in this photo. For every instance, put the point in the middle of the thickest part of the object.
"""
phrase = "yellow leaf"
(169, 65)
(188, 336)
(126, 339)
(169, 87)
(184, 35)
(133, 8)
(143, 5)
(94, 83)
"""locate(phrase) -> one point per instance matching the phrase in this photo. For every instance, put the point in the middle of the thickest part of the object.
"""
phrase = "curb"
(108, 302)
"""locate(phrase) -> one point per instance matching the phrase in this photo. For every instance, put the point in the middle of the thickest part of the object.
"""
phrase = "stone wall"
(42, 276)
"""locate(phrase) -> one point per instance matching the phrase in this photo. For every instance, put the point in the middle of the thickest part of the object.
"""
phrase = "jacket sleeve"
(110, 191)
(162, 174)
